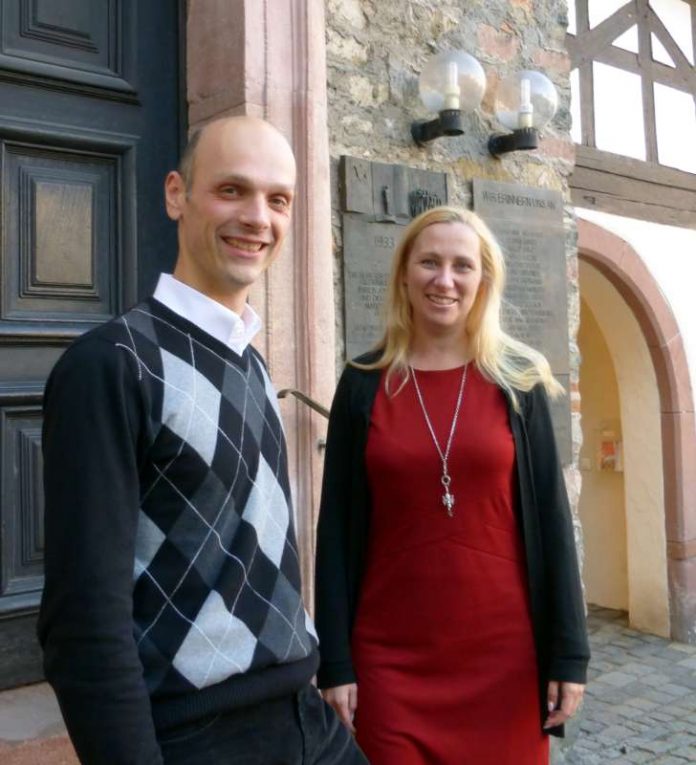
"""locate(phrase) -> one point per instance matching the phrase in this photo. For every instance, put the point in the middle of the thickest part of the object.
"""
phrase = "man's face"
(235, 215)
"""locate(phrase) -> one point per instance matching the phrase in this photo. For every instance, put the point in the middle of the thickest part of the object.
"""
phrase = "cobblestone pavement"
(640, 703)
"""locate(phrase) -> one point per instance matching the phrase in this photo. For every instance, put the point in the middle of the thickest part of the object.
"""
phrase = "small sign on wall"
(610, 452)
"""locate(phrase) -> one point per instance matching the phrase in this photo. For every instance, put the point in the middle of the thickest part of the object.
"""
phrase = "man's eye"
(281, 202)
(228, 190)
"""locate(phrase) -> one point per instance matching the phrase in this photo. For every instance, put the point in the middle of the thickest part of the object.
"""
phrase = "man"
(172, 619)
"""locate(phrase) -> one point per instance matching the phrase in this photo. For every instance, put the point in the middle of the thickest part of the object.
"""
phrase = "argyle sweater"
(172, 570)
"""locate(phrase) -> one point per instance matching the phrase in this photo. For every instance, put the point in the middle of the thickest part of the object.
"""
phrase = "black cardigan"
(558, 613)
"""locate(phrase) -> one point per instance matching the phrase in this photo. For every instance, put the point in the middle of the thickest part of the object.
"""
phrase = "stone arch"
(621, 265)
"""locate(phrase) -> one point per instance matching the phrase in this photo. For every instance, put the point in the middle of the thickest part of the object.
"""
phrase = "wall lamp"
(525, 103)
(454, 82)
(450, 83)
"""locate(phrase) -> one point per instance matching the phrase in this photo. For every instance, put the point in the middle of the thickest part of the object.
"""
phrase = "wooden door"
(90, 121)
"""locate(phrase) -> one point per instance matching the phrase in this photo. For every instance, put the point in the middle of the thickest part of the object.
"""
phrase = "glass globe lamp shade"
(525, 99)
(452, 80)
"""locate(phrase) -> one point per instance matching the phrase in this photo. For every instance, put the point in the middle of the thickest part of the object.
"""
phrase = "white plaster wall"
(669, 252)
(602, 506)
(642, 444)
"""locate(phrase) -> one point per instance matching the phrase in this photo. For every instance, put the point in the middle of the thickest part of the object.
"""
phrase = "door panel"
(60, 254)
(22, 543)
(71, 41)
(90, 123)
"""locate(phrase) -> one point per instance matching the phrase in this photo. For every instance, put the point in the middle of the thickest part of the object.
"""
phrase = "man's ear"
(174, 194)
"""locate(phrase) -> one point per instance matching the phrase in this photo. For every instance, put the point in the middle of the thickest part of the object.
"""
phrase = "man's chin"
(244, 278)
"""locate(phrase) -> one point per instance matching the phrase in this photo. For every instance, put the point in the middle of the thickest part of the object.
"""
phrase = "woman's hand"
(564, 700)
(344, 700)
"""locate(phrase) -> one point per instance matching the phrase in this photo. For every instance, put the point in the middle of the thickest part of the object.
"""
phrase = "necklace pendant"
(447, 497)
(448, 502)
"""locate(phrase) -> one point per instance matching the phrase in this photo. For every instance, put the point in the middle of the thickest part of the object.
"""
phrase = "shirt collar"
(212, 317)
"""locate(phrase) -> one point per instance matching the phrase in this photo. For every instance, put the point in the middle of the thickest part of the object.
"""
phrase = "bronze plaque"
(528, 223)
(377, 201)
(368, 248)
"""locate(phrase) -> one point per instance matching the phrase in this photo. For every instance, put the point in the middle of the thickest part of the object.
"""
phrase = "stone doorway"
(655, 428)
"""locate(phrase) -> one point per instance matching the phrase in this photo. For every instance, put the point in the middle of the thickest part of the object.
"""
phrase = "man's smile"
(244, 244)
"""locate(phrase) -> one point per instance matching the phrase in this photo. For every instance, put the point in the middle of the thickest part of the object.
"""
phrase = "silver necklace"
(445, 478)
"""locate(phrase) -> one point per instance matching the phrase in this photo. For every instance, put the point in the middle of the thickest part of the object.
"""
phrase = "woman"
(449, 606)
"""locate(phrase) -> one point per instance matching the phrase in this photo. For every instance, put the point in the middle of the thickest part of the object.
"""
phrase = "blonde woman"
(449, 606)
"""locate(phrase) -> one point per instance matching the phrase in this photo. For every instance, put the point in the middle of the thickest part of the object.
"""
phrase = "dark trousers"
(296, 730)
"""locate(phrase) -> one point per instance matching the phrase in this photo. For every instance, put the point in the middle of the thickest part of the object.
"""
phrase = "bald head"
(237, 128)
(232, 199)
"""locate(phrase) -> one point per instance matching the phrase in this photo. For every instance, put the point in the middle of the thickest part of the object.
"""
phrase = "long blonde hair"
(510, 363)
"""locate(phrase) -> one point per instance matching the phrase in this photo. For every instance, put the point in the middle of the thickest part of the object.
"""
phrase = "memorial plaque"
(528, 224)
(368, 248)
(378, 200)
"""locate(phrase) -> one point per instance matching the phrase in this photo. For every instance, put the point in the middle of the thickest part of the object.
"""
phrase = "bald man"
(172, 619)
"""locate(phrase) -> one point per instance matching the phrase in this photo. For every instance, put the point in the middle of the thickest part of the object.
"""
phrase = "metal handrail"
(305, 399)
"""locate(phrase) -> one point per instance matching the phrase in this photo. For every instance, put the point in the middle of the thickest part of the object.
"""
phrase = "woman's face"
(443, 275)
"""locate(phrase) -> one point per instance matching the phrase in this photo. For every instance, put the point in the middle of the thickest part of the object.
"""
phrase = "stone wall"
(375, 52)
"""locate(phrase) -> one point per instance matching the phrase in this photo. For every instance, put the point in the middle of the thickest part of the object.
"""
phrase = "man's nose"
(255, 212)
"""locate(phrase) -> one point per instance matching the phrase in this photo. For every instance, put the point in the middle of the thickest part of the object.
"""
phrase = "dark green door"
(90, 121)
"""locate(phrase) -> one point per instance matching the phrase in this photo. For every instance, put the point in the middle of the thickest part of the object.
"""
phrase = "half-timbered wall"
(633, 85)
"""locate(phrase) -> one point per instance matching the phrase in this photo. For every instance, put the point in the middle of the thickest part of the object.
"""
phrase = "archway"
(622, 268)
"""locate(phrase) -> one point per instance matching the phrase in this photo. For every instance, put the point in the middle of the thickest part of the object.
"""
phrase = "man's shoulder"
(128, 334)
(256, 354)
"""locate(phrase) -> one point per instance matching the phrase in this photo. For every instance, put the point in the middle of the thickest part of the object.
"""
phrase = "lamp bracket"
(448, 122)
(522, 139)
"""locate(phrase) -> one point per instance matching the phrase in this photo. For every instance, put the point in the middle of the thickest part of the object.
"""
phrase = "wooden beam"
(654, 70)
(582, 17)
(648, 92)
(682, 64)
(588, 44)
(634, 168)
(624, 186)
(587, 114)
(631, 189)
(668, 216)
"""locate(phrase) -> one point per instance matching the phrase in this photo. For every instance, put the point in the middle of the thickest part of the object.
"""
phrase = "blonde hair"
(510, 363)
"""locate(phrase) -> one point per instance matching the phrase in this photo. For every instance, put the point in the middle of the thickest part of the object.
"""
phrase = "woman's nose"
(444, 276)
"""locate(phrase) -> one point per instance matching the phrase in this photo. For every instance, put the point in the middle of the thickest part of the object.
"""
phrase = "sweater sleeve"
(332, 603)
(92, 425)
(570, 651)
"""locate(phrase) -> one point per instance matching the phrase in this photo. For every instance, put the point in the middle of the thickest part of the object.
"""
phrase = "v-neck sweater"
(172, 570)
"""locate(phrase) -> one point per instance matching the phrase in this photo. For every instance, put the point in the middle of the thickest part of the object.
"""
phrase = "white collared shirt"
(222, 323)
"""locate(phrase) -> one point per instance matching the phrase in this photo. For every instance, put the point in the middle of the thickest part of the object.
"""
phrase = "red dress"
(442, 643)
